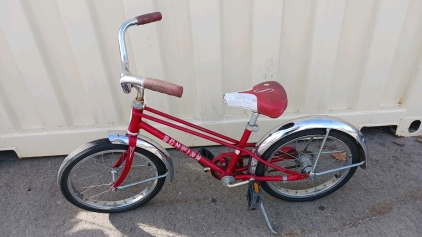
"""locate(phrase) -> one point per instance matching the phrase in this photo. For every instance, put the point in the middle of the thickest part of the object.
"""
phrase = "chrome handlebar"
(126, 78)
(122, 45)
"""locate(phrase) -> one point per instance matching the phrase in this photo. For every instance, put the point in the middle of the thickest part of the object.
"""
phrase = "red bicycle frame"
(137, 123)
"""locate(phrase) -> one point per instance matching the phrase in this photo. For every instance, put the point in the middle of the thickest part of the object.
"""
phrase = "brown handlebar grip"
(163, 87)
(148, 18)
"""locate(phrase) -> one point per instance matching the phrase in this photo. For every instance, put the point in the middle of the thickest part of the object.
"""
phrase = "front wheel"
(298, 152)
(86, 175)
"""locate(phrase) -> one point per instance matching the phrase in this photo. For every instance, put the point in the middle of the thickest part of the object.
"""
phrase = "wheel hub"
(305, 162)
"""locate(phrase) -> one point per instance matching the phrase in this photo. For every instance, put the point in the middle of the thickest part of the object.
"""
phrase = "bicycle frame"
(137, 123)
(268, 98)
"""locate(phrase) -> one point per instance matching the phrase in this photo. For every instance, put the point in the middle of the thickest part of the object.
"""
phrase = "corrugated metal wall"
(358, 60)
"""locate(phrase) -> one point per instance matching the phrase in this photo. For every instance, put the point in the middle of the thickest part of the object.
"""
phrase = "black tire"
(85, 176)
(339, 146)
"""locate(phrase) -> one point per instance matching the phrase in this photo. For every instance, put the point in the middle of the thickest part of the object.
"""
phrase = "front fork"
(128, 157)
(132, 133)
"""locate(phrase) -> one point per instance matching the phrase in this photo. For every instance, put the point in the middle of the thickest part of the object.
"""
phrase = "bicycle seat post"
(251, 125)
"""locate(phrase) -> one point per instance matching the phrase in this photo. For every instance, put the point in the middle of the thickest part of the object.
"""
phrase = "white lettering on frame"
(166, 138)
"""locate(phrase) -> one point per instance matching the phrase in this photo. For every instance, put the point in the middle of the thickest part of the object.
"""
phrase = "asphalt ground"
(383, 200)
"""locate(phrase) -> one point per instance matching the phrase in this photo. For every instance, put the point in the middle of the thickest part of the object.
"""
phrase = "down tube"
(179, 146)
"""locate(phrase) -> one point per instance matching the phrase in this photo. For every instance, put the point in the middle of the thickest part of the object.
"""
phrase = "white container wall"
(358, 60)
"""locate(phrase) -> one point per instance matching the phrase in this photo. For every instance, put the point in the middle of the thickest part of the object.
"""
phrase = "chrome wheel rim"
(90, 180)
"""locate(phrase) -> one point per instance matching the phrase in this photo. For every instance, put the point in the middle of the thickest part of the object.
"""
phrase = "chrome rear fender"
(306, 123)
(149, 145)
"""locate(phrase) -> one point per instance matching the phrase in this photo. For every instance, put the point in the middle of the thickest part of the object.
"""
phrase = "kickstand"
(254, 198)
(266, 219)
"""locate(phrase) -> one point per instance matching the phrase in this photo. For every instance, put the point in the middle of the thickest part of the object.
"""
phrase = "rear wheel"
(298, 152)
(86, 175)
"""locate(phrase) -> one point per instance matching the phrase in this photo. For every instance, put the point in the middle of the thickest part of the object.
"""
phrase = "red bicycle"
(301, 160)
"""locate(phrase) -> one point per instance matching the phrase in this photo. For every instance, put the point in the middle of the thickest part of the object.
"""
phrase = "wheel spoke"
(94, 175)
(94, 186)
(98, 195)
(287, 154)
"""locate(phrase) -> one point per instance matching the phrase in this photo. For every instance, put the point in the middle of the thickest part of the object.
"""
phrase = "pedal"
(254, 195)
(207, 154)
